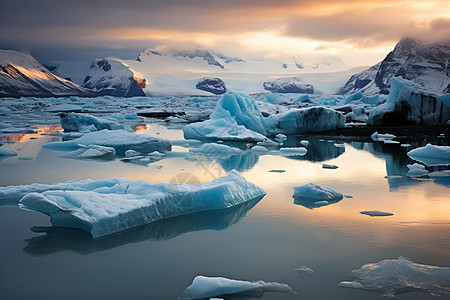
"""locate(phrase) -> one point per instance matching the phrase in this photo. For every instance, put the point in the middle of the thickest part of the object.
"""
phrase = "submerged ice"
(395, 276)
(108, 206)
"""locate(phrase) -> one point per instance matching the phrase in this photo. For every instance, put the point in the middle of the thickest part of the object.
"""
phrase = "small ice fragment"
(259, 150)
(327, 166)
(293, 151)
(380, 137)
(304, 143)
(405, 145)
(206, 287)
(416, 170)
(390, 142)
(280, 137)
(348, 196)
(317, 192)
(339, 145)
(7, 152)
(376, 213)
(159, 167)
(304, 269)
(277, 171)
(351, 284)
(131, 153)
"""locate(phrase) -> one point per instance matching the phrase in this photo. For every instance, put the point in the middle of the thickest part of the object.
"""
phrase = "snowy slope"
(112, 76)
(425, 64)
(21, 75)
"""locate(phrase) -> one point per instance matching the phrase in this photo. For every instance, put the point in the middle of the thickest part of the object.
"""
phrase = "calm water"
(263, 240)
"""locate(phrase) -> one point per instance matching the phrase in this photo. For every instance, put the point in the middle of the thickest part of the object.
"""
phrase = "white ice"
(206, 287)
(394, 276)
(293, 151)
(87, 123)
(431, 155)
(317, 192)
(381, 137)
(120, 140)
(416, 170)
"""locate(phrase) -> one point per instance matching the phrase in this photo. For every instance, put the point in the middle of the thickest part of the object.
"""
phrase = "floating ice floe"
(120, 140)
(216, 150)
(207, 287)
(382, 137)
(303, 269)
(376, 213)
(416, 170)
(431, 155)
(7, 152)
(395, 276)
(327, 166)
(87, 123)
(108, 206)
(92, 151)
(312, 119)
(236, 117)
(293, 151)
(316, 192)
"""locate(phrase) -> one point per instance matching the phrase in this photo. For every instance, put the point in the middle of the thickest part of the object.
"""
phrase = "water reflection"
(62, 239)
(318, 149)
(313, 203)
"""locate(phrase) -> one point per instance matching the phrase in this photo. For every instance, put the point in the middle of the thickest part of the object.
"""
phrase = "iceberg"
(85, 122)
(108, 206)
(207, 287)
(312, 119)
(431, 155)
(395, 276)
(120, 140)
(416, 170)
(409, 104)
(376, 213)
(236, 117)
(316, 192)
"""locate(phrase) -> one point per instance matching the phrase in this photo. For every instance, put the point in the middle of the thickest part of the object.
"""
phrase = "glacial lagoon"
(265, 239)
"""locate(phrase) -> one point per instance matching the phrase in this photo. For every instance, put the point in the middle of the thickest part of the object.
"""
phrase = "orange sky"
(361, 32)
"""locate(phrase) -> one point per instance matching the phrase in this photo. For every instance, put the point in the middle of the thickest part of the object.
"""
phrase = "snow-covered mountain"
(21, 76)
(425, 64)
(112, 76)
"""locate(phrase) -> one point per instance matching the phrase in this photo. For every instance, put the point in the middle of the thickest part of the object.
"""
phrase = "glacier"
(296, 121)
(394, 276)
(206, 287)
(120, 140)
(431, 155)
(109, 206)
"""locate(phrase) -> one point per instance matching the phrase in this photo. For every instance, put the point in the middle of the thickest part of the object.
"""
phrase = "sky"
(361, 32)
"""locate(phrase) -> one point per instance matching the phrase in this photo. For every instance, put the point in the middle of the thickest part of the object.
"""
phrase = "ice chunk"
(7, 152)
(206, 287)
(395, 276)
(120, 140)
(260, 150)
(431, 155)
(376, 213)
(416, 170)
(216, 150)
(280, 137)
(235, 117)
(409, 103)
(337, 145)
(303, 269)
(92, 151)
(85, 122)
(304, 143)
(118, 204)
(317, 192)
(313, 119)
(327, 166)
(293, 151)
(381, 137)
(131, 153)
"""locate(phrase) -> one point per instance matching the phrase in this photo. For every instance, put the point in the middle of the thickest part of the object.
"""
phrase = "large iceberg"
(203, 287)
(312, 119)
(235, 117)
(409, 104)
(109, 206)
(120, 140)
(395, 276)
(431, 155)
(85, 122)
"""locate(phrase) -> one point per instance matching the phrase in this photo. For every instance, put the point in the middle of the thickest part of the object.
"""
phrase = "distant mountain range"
(202, 72)
(425, 64)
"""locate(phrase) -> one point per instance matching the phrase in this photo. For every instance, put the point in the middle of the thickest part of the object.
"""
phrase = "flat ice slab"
(207, 287)
(431, 155)
(376, 213)
(120, 140)
(107, 206)
(395, 276)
